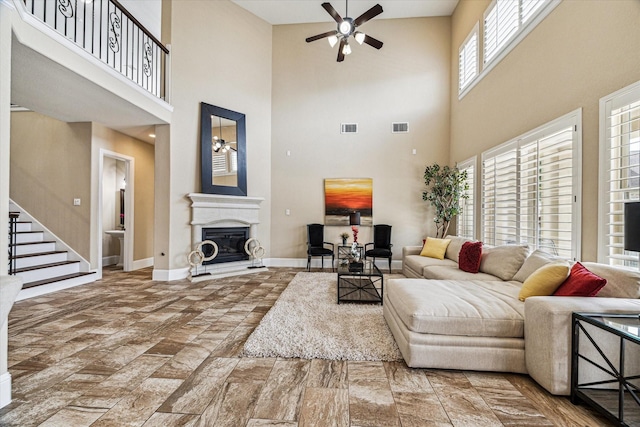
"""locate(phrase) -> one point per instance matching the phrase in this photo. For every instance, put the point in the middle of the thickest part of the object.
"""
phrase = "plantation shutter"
(465, 223)
(529, 8)
(499, 191)
(219, 163)
(501, 22)
(530, 189)
(622, 151)
(468, 60)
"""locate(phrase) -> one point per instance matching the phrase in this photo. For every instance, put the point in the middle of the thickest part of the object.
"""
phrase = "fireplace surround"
(217, 211)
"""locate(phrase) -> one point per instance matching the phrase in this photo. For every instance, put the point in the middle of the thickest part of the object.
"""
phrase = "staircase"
(36, 259)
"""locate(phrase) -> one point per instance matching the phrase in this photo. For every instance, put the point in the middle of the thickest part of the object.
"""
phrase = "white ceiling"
(278, 12)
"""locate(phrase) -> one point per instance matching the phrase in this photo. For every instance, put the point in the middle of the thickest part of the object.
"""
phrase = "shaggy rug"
(307, 323)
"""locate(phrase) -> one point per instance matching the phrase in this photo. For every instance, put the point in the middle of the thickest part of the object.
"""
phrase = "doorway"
(116, 213)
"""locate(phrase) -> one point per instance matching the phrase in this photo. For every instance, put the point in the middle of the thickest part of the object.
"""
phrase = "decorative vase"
(344, 240)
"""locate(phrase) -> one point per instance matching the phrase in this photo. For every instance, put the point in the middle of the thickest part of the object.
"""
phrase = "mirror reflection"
(224, 152)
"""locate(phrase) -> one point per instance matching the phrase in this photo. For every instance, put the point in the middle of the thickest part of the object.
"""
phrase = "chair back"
(382, 236)
(315, 234)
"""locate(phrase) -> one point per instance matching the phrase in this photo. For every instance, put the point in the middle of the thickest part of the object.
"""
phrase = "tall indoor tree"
(445, 187)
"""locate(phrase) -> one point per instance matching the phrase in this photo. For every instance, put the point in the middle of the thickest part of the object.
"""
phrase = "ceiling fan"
(346, 28)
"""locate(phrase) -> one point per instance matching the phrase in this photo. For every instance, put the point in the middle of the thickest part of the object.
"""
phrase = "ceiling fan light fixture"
(359, 37)
(346, 49)
(333, 40)
(345, 27)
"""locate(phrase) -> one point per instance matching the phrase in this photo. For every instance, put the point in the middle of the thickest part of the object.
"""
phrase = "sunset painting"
(343, 196)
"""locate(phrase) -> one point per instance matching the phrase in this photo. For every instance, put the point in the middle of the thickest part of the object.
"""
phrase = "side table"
(605, 364)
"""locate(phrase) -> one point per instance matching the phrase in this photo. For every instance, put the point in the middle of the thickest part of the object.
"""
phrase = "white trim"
(5, 389)
(510, 45)
(617, 99)
(169, 275)
(142, 263)
(110, 260)
(37, 291)
(128, 203)
(382, 263)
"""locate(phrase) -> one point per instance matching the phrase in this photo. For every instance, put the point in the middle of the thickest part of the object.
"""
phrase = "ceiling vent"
(400, 127)
(348, 128)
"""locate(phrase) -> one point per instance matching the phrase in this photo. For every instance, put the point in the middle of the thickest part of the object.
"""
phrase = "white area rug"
(307, 323)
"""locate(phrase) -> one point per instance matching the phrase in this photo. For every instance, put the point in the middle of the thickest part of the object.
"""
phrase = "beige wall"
(221, 55)
(581, 52)
(143, 204)
(407, 80)
(50, 166)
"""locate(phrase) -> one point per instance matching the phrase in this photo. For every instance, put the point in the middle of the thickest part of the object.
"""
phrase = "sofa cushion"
(533, 262)
(580, 283)
(503, 261)
(452, 272)
(620, 283)
(545, 280)
(470, 256)
(462, 308)
(455, 244)
(435, 248)
(417, 263)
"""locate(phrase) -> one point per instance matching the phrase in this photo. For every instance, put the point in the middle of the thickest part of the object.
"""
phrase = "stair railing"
(111, 33)
(13, 226)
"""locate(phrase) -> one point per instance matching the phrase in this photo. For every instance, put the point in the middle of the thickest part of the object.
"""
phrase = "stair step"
(31, 248)
(55, 279)
(39, 258)
(23, 226)
(29, 236)
(41, 272)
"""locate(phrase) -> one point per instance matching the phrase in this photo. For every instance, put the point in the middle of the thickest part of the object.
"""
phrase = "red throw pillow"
(470, 256)
(580, 283)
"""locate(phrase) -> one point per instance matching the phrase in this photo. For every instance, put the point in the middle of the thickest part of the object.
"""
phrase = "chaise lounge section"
(446, 318)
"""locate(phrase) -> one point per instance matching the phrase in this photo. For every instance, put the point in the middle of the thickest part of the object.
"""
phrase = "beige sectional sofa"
(443, 317)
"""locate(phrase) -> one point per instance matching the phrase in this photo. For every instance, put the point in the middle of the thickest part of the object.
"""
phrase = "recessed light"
(152, 135)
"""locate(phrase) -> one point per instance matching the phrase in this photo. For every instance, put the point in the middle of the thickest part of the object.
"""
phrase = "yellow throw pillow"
(435, 248)
(545, 280)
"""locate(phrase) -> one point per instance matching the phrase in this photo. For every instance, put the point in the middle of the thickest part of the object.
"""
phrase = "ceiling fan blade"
(371, 13)
(321, 36)
(340, 53)
(332, 12)
(372, 42)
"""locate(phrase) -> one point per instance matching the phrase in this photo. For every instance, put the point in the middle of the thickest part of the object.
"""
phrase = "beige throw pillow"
(533, 262)
(503, 261)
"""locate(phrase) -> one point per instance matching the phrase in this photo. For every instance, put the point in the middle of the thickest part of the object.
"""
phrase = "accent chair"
(316, 246)
(381, 245)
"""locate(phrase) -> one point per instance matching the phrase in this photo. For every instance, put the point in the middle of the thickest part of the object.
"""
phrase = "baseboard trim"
(110, 260)
(169, 275)
(5, 389)
(142, 263)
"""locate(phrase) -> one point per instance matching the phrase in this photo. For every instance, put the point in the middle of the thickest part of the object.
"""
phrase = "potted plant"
(445, 187)
(344, 237)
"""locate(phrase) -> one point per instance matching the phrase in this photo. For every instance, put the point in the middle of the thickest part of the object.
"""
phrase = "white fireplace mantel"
(216, 210)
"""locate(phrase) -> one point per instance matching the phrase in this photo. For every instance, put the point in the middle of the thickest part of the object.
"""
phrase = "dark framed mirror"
(223, 151)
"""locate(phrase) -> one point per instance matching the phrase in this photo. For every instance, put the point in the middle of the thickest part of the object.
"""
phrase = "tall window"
(531, 189)
(464, 221)
(468, 60)
(619, 171)
(503, 19)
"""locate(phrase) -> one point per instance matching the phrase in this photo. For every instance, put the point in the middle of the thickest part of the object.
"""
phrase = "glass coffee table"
(360, 285)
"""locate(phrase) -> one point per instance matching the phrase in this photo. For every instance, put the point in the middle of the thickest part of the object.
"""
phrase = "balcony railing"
(108, 31)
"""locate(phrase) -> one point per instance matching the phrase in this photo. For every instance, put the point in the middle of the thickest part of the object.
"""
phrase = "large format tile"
(126, 350)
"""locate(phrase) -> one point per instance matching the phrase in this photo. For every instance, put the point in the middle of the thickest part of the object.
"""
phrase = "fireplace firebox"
(230, 243)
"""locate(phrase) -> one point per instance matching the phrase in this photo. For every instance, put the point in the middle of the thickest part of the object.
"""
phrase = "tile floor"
(127, 351)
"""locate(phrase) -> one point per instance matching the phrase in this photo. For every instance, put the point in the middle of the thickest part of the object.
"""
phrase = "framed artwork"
(343, 196)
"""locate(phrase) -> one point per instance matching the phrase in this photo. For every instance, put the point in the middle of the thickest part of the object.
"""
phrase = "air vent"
(348, 128)
(400, 127)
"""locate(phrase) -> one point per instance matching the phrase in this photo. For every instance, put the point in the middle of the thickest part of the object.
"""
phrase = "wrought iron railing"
(108, 31)
(13, 223)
